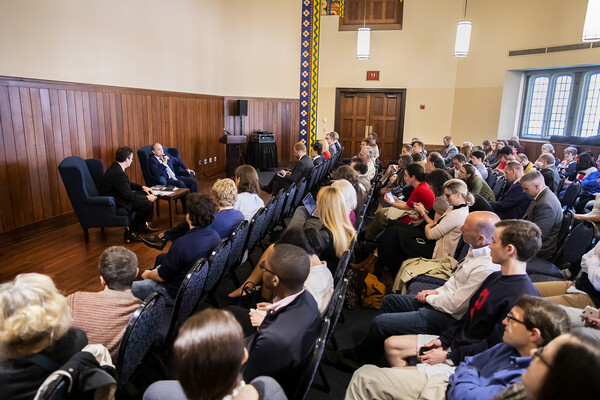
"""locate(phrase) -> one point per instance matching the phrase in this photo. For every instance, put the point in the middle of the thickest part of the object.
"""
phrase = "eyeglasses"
(525, 323)
(262, 266)
(538, 354)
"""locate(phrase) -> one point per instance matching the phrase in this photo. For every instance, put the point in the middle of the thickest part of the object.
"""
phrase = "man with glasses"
(366, 154)
(513, 244)
(285, 339)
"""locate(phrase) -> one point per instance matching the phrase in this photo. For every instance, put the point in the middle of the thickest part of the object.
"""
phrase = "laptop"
(311, 205)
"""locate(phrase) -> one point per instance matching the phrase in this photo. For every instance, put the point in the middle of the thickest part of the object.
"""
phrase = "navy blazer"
(284, 343)
(301, 169)
(512, 204)
(115, 183)
(319, 159)
(160, 171)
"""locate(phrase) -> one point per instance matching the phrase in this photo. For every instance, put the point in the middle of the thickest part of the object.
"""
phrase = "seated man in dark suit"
(284, 178)
(546, 162)
(172, 267)
(283, 344)
(317, 153)
(513, 203)
(170, 170)
(545, 211)
(128, 195)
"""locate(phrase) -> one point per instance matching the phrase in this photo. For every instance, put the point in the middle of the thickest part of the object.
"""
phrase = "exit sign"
(372, 75)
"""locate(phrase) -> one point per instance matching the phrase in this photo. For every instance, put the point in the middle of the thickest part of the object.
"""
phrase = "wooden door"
(360, 112)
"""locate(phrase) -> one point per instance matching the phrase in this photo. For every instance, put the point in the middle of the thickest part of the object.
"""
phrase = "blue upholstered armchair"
(81, 179)
(144, 155)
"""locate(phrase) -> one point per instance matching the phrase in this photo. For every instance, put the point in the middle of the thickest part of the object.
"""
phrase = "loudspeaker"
(242, 107)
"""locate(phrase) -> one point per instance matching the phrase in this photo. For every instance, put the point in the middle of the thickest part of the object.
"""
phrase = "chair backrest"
(314, 174)
(337, 308)
(256, 225)
(342, 266)
(491, 178)
(565, 227)
(311, 369)
(498, 186)
(238, 243)
(571, 195)
(301, 188)
(289, 198)
(281, 197)
(559, 187)
(359, 223)
(216, 265)
(271, 205)
(575, 245)
(139, 336)
(57, 389)
(461, 250)
(96, 168)
(190, 293)
(144, 154)
(77, 179)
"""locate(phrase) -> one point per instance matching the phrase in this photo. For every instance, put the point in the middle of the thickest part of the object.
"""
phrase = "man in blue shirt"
(171, 268)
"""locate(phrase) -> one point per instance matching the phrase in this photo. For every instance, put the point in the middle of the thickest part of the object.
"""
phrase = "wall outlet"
(215, 158)
(200, 162)
(205, 161)
(210, 159)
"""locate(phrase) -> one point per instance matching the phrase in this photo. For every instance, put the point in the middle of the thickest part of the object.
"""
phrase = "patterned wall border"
(309, 69)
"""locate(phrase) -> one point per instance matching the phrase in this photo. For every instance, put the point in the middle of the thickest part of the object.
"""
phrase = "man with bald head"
(545, 211)
(285, 339)
(433, 311)
(170, 170)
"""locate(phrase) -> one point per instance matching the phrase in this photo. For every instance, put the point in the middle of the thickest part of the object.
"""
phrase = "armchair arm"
(106, 201)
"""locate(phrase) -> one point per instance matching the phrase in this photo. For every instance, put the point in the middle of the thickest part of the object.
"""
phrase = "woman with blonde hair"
(248, 201)
(34, 333)
(326, 152)
(349, 197)
(336, 224)
(227, 218)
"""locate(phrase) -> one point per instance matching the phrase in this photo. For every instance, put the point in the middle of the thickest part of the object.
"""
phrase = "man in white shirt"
(366, 154)
(171, 170)
(432, 311)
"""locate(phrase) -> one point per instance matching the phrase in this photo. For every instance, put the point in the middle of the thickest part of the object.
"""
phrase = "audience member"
(406, 150)
(171, 268)
(457, 161)
(589, 188)
(317, 153)
(545, 162)
(171, 170)
(450, 150)
(436, 180)
(336, 142)
(506, 154)
(529, 325)
(487, 147)
(129, 195)
(35, 338)
(568, 167)
(544, 210)
(394, 177)
(361, 169)
(345, 172)
(104, 315)
(567, 368)
(248, 201)
(527, 165)
(432, 311)
(283, 344)
(434, 161)
(329, 138)
(585, 166)
(325, 145)
(475, 182)
(477, 160)
(373, 136)
(518, 146)
(367, 156)
(466, 150)
(284, 178)
(513, 203)
(403, 210)
(227, 217)
(349, 198)
(208, 355)
(492, 155)
(419, 147)
(547, 148)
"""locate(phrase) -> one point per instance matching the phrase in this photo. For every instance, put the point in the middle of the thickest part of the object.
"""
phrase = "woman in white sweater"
(248, 201)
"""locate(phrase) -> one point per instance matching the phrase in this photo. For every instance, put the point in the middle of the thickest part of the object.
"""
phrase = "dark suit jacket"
(160, 171)
(319, 159)
(512, 204)
(301, 169)
(284, 343)
(338, 147)
(115, 183)
(546, 212)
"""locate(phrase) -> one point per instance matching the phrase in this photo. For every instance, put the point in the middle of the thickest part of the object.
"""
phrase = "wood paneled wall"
(280, 116)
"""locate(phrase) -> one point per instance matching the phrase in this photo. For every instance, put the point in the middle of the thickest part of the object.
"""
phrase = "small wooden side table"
(170, 197)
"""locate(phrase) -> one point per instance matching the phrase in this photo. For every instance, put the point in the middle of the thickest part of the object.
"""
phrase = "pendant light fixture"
(364, 39)
(591, 27)
(463, 36)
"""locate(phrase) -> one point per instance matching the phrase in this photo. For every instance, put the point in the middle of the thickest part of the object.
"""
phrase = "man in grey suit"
(545, 211)
(450, 151)
(546, 161)
(284, 178)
